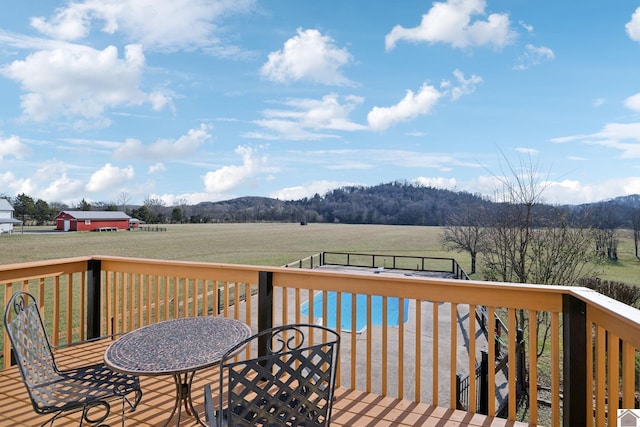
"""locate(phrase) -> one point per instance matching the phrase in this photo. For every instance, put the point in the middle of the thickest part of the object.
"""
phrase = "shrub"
(623, 292)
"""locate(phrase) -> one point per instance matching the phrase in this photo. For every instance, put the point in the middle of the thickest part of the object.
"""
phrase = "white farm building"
(6, 217)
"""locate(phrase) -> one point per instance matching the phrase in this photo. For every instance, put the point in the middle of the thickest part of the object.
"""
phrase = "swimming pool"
(361, 310)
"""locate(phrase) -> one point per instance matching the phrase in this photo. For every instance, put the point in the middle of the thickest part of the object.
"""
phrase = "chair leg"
(97, 421)
(120, 391)
(209, 410)
(122, 411)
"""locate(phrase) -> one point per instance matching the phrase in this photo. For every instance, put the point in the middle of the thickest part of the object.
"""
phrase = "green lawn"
(271, 244)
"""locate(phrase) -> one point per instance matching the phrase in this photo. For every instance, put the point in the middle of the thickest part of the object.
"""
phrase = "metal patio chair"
(88, 389)
(292, 384)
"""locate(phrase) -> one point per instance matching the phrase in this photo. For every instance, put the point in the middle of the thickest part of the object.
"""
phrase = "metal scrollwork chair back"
(291, 382)
(59, 391)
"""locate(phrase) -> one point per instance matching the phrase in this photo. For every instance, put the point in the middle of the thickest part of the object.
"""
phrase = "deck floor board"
(352, 408)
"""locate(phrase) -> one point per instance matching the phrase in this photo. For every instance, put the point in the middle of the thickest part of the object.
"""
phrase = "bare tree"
(183, 205)
(524, 246)
(123, 199)
(156, 208)
(605, 232)
(635, 222)
(465, 232)
(512, 223)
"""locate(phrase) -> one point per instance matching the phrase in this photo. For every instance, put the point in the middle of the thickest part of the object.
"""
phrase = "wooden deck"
(352, 408)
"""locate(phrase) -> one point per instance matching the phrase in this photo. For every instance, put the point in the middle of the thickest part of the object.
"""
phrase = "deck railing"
(414, 353)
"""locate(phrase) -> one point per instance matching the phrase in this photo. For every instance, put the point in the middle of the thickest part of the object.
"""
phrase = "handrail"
(105, 295)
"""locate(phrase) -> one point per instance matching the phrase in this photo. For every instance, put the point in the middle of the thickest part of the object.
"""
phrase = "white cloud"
(483, 184)
(70, 23)
(348, 164)
(11, 184)
(562, 192)
(308, 119)
(526, 26)
(411, 106)
(633, 27)
(436, 182)
(363, 158)
(109, 178)
(164, 148)
(229, 177)
(309, 190)
(158, 25)
(62, 188)
(633, 102)
(451, 22)
(80, 82)
(50, 182)
(12, 146)
(624, 137)
(575, 192)
(308, 56)
(157, 167)
(533, 55)
(464, 87)
(529, 151)
(598, 102)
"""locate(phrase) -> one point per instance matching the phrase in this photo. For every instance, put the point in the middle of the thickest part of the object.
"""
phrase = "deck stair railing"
(501, 371)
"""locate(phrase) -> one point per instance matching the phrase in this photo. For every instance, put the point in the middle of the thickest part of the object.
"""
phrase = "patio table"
(177, 347)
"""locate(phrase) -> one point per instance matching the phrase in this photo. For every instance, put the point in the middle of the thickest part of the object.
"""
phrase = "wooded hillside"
(395, 203)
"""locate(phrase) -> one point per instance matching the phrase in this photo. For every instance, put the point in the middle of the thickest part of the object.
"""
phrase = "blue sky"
(205, 100)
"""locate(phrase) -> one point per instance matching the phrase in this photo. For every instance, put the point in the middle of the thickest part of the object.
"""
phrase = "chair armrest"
(209, 410)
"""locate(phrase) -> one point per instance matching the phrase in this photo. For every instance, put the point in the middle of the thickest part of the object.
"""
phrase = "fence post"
(458, 388)
(574, 330)
(483, 407)
(94, 293)
(265, 308)
(520, 363)
(496, 340)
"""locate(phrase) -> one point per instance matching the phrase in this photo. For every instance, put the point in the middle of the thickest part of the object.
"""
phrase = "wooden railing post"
(94, 294)
(575, 389)
(265, 308)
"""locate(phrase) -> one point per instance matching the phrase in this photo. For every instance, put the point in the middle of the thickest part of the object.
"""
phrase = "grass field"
(271, 244)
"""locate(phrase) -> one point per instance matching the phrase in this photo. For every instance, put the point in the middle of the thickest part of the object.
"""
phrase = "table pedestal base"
(183, 396)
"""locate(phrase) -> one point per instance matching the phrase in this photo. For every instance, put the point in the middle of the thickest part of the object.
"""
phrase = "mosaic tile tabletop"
(175, 346)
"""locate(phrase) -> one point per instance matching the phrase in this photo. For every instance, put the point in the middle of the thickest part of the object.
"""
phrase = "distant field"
(262, 244)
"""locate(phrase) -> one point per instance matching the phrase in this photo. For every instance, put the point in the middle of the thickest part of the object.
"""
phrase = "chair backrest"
(30, 343)
(290, 383)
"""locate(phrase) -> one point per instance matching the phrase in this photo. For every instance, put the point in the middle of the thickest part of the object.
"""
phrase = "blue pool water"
(361, 310)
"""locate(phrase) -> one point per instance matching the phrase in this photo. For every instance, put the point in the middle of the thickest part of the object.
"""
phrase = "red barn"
(92, 221)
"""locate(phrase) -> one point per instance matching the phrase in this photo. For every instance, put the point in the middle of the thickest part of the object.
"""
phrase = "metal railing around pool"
(448, 266)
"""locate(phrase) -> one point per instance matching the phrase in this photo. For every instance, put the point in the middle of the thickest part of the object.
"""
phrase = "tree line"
(395, 203)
